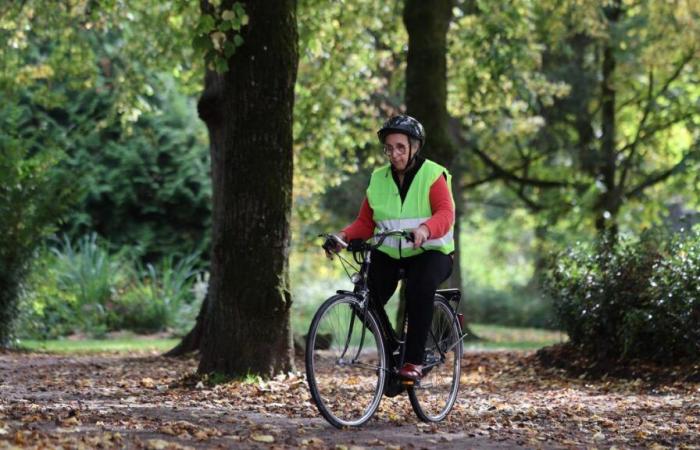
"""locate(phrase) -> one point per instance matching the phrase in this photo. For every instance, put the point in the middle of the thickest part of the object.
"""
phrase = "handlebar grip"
(328, 244)
(332, 241)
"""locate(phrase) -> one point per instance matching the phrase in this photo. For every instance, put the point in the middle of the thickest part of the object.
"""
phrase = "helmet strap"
(411, 155)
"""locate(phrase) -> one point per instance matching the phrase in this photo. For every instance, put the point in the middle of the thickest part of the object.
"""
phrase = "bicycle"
(353, 353)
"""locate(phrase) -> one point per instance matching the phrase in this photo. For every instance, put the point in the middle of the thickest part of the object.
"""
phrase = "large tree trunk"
(426, 87)
(248, 111)
(426, 93)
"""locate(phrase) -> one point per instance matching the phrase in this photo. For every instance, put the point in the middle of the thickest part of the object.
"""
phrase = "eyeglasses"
(400, 150)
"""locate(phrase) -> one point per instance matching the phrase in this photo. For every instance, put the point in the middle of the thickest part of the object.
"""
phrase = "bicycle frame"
(365, 363)
(389, 335)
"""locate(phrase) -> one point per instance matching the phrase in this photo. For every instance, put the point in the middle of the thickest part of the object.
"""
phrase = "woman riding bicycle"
(410, 193)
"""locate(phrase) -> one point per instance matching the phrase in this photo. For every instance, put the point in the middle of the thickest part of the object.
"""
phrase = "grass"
(132, 344)
(494, 337)
(500, 337)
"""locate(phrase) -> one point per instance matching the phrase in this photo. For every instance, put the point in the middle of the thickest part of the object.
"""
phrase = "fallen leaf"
(266, 438)
(70, 422)
(201, 436)
(167, 429)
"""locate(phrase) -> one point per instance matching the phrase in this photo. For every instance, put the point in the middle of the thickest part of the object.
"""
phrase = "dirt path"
(506, 401)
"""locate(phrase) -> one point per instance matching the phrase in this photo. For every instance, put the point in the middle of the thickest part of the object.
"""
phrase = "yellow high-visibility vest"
(390, 213)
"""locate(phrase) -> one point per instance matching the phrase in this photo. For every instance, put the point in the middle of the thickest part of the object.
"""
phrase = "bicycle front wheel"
(345, 362)
(435, 395)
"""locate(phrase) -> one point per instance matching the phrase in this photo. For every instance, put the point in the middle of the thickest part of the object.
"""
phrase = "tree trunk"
(248, 111)
(609, 201)
(426, 93)
(426, 87)
(426, 73)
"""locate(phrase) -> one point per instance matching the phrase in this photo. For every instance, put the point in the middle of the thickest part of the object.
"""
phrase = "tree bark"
(609, 201)
(248, 112)
(426, 95)
(426, 89)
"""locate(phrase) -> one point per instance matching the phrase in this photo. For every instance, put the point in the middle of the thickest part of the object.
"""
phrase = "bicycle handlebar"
(367, 245)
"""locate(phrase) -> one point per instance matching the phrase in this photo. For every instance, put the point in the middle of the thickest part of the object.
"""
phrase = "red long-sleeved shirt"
(439, 223)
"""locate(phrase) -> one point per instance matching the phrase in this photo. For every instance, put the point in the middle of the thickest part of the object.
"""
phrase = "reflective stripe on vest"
(389, 213)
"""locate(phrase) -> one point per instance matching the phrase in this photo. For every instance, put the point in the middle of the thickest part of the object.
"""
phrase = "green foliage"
(87, 274)
(640, 299)
(217, 33)
(100, 85)
(526, 84)
(351, 58)
(159, 297)
(55, 44)
(32, 197)
(83, 288)
(499, 257)
(512, 307)
(147, 185)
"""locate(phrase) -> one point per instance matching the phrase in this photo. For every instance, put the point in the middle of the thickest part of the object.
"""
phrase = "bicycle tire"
(435, 395)
(345, 371)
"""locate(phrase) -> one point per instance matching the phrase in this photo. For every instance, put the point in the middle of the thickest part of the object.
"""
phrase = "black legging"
(424, 273)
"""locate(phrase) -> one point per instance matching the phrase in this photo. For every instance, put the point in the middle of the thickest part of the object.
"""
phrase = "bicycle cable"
(345, 263)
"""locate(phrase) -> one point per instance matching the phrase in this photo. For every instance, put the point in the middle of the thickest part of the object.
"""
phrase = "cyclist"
(411, 193)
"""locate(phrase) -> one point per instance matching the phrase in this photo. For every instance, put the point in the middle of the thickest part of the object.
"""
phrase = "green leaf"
(229, 49)
(201, 43)
(238, 9)
(206, 24)
(228, 15)
(238, 40)
(221, 65)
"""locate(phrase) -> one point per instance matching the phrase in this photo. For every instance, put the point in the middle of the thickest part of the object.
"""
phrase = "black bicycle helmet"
(402, 124)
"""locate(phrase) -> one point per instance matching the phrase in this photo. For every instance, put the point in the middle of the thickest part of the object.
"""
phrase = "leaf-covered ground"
(507, 399)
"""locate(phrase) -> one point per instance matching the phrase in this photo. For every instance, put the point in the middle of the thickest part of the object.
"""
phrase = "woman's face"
(396, 147)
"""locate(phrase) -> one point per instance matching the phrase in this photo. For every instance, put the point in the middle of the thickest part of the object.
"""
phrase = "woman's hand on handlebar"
(334, 243)
(420, 235)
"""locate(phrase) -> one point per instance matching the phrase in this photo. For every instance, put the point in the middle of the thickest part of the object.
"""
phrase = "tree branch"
(520, 192)
(649, 132)
(508, 175)
(477, 183)
(651, 98)
(633, 148)
(693, 152)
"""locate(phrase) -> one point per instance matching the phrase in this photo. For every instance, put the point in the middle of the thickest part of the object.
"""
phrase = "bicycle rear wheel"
(433, 398)
(345, 367)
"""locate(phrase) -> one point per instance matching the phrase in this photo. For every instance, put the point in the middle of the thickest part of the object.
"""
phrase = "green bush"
(32, 198)
(637, 300)
(46, 311)
(147, 183)
(83, 288)
(91, 275)
(159, 298)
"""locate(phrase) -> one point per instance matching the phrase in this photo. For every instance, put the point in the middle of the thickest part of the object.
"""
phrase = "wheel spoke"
(433, 398)
(345, 363)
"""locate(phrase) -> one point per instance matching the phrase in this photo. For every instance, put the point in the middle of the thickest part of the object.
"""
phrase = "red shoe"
(413, 372)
